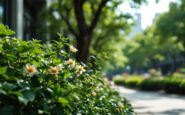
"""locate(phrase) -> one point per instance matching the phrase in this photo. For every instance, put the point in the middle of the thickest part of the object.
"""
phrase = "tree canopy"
(172, 23)
(95, 24)
(162, 42)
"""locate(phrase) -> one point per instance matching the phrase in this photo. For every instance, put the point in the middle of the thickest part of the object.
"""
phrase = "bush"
(134, 81)
(167, 84)
(130, 81)
(152, 84)
(180, 75)
(182, 71)
(174, 85)
(154, 73)
(119, 80)
(45, 79)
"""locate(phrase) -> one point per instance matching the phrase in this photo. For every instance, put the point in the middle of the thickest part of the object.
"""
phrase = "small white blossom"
(60, 67)
(71, 62)
(73, 49)
(93, 94)
(80, 69)
(31, 69)
(53, 70)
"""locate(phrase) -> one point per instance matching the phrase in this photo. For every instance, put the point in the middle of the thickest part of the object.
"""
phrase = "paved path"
(154, 103)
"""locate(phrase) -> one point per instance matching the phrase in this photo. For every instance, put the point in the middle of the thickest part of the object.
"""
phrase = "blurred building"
(137, 28)
(22, 16)
(156, 17)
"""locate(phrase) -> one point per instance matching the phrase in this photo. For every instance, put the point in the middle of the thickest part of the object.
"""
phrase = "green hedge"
(45, 79)
(152, 84)
(119, 80)
(174, 85)
(167, 84)
(133, 81)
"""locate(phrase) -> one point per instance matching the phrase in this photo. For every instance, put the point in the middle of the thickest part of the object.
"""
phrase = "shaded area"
(154, 103)
(168, 112)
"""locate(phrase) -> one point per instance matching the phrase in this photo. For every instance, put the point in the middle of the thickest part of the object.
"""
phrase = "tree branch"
(79, 14)
(92, 7)
(97, 15)
(65, 18)
(69, 25)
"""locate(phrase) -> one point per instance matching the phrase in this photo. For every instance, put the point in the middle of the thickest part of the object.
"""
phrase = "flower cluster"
(72, 65)
(45, 79)
(54, 70)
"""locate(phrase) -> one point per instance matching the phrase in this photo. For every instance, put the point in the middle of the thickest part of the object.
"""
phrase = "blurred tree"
(149, 49)
(143, 50)
(95, 21)
(172, 23)
(170, 26)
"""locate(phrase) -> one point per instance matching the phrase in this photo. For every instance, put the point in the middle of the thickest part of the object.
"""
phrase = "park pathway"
(153, 103)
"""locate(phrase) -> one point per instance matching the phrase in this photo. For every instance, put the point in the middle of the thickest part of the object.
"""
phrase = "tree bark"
(83, 44)
(173, 65)
(85, 31)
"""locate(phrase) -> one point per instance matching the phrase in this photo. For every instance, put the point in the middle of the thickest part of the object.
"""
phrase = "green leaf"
(63, 100)
(26, 96)
(4, 30)
(2, 92)
(8, 86)
(43, 112)
(3, 70)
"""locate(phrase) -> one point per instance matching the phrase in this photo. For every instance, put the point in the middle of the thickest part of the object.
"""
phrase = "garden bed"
(168, 84)
(45, 79)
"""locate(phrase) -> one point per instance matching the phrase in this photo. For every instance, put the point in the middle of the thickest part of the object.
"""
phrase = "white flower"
(60, 67)
(71, 63)
(80, 69)
(62, 51)
(31, 69)
(53, 70)
(93, 94)
(73, 49)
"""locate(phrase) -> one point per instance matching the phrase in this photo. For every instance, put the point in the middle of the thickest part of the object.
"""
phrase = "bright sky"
(148, 10)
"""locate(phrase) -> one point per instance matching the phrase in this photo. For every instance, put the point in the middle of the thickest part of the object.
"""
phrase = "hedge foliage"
(46, 79)
(167, 84)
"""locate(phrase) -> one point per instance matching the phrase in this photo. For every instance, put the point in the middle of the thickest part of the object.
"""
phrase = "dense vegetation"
(100, 25)
(169, 84)
(45, 79)
(161, 45)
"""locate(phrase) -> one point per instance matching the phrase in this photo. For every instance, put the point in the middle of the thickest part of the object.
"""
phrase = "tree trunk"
(85, 31)
(83, 44)
(154, 64)
(173, 65)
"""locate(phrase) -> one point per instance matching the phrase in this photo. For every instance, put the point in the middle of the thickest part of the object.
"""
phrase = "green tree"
(172, 23)
(89, 20)
(148, 49)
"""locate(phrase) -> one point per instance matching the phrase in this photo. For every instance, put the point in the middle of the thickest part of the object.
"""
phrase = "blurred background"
(128, 36)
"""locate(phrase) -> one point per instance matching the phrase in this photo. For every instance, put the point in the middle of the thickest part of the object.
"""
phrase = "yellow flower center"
(31, 69)
(93, 94)
(53, 70)
(71, 62)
